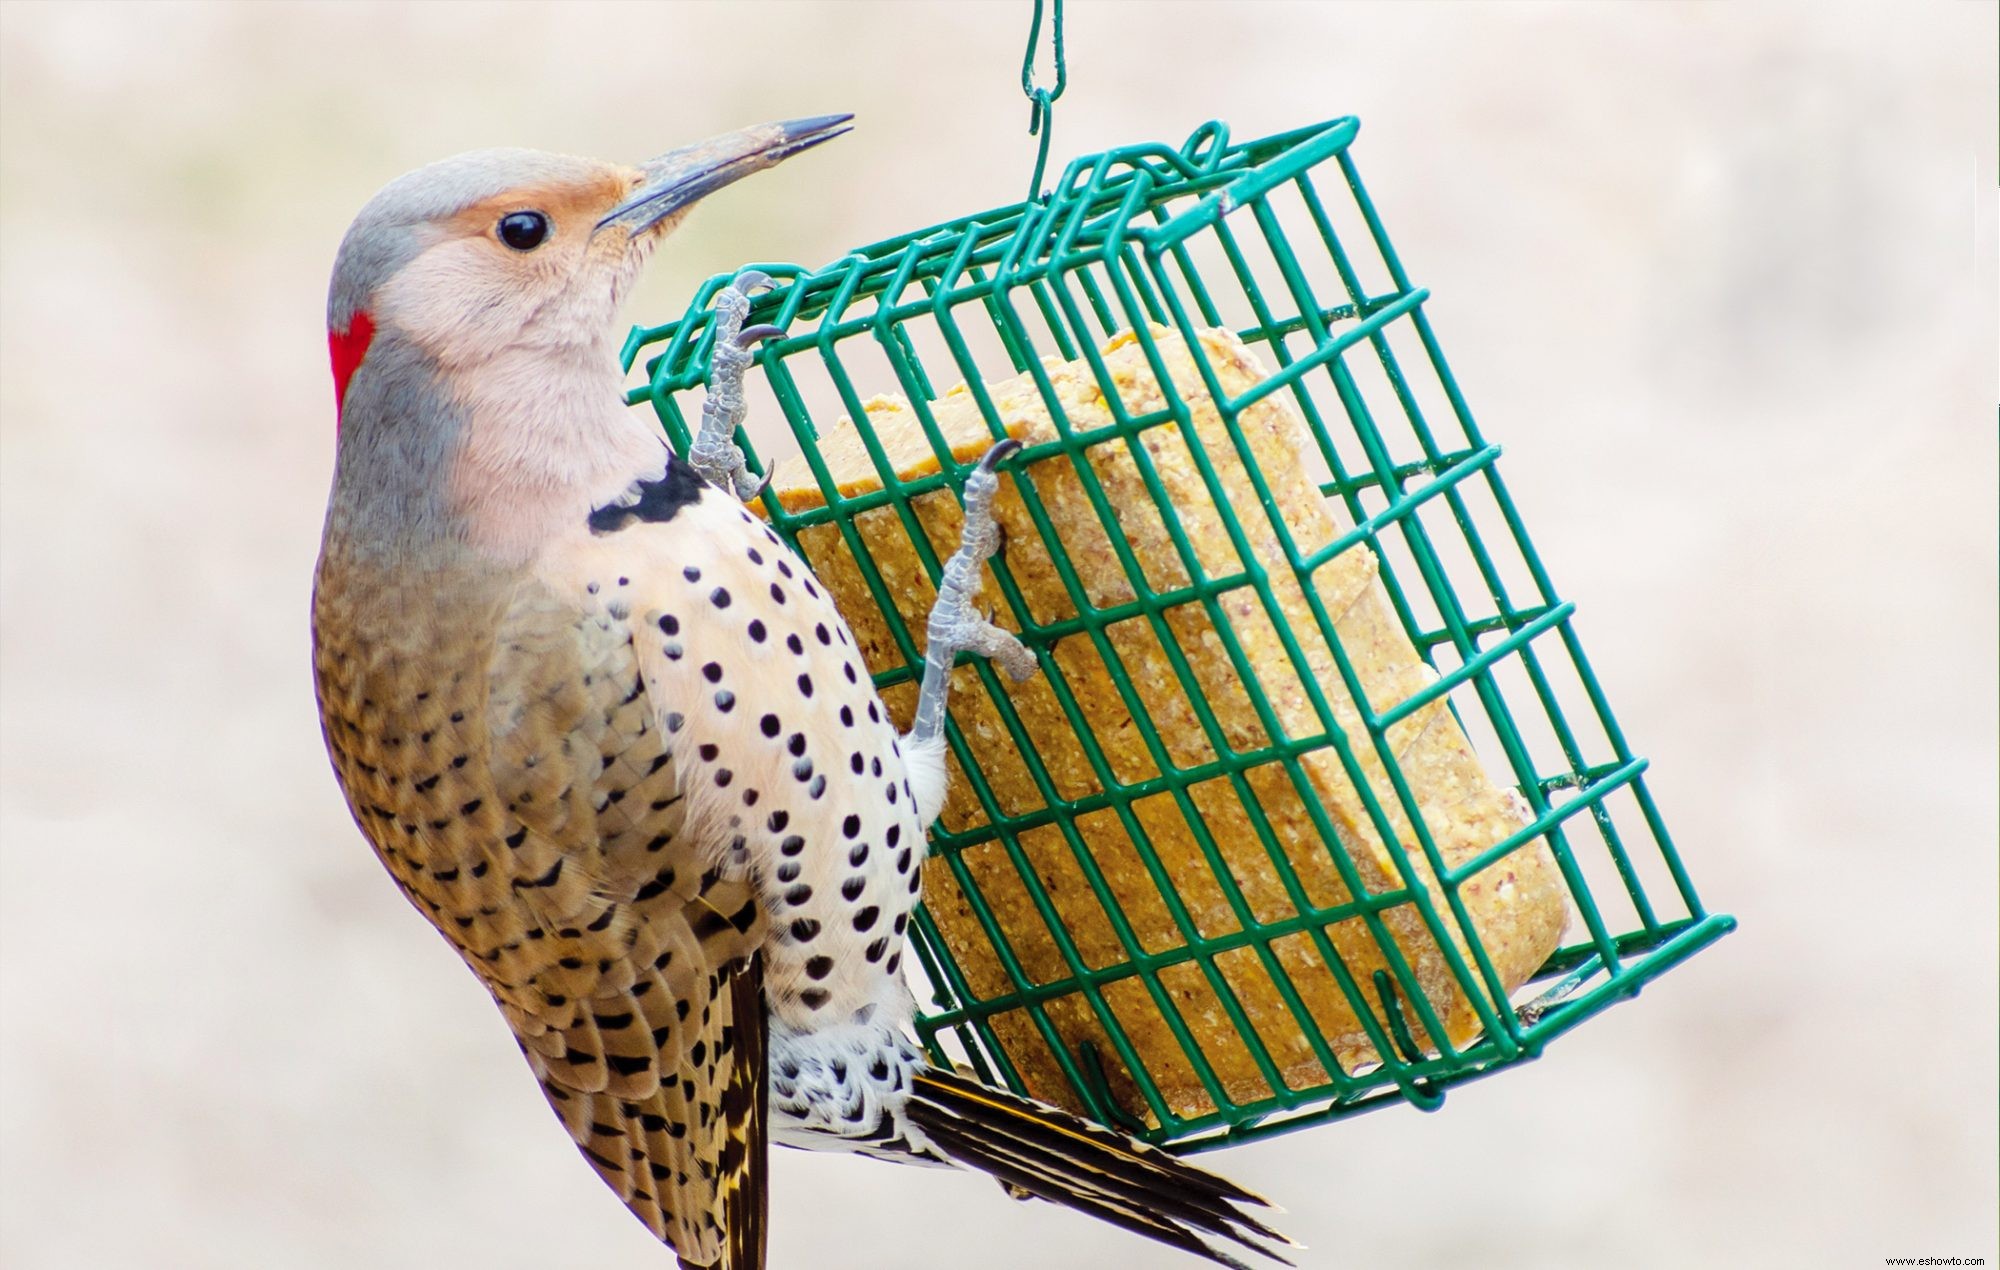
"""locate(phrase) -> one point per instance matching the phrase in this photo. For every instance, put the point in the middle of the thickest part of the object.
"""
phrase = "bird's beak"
(681, 177)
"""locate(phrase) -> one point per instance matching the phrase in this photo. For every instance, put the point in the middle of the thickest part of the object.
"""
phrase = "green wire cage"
(1277, 241)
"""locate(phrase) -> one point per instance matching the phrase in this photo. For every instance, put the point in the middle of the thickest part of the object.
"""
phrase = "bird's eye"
(524, 231)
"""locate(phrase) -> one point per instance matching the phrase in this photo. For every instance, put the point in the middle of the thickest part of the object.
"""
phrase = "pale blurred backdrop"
(1720, 277)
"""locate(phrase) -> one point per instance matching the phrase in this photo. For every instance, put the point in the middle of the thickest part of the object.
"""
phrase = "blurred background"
(1721, 278)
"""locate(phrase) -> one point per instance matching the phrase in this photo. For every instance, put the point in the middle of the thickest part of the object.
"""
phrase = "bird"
(614, 742)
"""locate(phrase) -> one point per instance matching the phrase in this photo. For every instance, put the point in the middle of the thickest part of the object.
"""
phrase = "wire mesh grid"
(1277, 241)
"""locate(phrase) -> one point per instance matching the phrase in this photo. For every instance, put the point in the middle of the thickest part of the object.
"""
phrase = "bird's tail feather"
(1039, 1150)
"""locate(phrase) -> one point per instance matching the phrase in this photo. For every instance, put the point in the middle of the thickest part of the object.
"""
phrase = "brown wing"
(638, 1021)
(533, 813)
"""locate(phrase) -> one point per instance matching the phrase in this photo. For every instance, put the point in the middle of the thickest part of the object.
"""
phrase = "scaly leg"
(714, 453)
(954, 625)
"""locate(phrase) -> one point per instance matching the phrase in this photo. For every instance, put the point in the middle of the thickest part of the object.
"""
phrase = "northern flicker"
(611, 738)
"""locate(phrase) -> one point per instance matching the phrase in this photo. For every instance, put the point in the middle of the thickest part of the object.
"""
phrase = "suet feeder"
(1316, 803)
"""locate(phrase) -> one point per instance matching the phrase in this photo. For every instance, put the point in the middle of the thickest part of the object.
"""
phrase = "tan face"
(538, 268)
(528, 268)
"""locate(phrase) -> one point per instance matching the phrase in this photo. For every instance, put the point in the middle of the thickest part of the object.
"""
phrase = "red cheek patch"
(347, 348)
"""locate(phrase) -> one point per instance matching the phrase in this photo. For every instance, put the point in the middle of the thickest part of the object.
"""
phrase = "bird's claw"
(955, 625)
(714, 452)
(1003, 449)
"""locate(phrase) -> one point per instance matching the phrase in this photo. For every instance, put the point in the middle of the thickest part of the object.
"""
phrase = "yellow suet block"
(1517, 905)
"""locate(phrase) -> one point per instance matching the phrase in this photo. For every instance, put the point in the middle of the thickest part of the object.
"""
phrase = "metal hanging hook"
(1041, 111)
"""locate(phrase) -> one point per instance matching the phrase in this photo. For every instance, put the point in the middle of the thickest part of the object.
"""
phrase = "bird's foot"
(955, 626)
(714, 453)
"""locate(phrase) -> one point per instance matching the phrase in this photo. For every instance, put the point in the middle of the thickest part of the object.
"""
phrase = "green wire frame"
(1209, 235)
